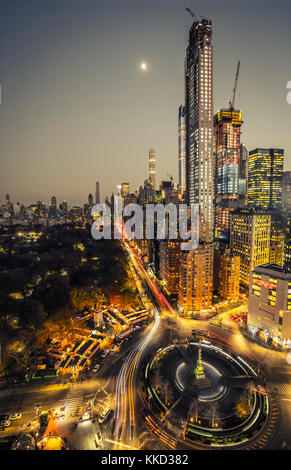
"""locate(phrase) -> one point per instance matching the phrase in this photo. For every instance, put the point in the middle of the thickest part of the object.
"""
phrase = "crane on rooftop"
(191, 12)
(198, 18)
(231, 103)
(172, 179)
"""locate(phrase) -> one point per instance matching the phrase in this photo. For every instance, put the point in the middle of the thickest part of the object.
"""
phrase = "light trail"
(124, 412)
(125, 382)
(120, 444)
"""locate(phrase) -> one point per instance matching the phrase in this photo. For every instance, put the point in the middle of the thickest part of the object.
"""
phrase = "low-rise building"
(270, 301)
(169, 265)
(226, 273)
(196, 279)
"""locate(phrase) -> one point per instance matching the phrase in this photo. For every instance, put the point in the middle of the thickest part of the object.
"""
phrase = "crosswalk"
(73, 401)
(283, 389)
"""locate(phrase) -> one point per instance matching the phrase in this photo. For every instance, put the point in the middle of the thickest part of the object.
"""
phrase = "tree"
(57, 327)
(87, 298)
(22, 353)
(242, 409)
(32, 313)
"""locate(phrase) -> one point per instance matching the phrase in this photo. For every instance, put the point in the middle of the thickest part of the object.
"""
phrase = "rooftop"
(274, 270)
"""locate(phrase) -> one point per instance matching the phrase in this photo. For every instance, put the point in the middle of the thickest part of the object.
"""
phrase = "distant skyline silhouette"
(77, 107)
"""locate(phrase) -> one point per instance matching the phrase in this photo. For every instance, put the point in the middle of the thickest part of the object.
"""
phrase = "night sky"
(77, 109)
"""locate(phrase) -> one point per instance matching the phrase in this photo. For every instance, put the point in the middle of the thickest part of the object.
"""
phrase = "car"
(98, 440)
(86, 416)
(15, 416)
(5, 423)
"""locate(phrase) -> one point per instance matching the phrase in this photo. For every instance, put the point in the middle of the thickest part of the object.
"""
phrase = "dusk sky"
(76, 108)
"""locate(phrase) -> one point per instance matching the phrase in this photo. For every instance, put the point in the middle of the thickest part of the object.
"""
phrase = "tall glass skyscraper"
(265, 178)
(286, 195)
(182, 149)
(152, 167)
(243, 171)
(199, 121)
(196, 266)
(97, 193)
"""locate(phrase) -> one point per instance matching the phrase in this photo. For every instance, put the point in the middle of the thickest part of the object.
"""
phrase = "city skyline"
(159, 320)
(51, 142)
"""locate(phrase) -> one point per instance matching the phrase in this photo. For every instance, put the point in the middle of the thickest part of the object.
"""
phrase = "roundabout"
(209, 389)
(201, 395)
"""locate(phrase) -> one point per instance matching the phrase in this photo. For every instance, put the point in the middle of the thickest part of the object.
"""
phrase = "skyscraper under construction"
(227, 124)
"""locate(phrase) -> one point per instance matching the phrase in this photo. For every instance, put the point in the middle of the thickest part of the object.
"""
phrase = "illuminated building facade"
(152, 167)
(52, 213)
(146, 194)
(265, 178)
(196, 267)
(63, 208)
(243, 173)
(286, 192)
(124, 189)
(286, 217)
(182, 149)
(250, 240)
(226, 273)
(270, 301)
(287, 254)
(9, 205)
(277, 239)
(169, 265)
(90, 200)
(199, 120)
(227, 124)
(196, 279)
(166, 188)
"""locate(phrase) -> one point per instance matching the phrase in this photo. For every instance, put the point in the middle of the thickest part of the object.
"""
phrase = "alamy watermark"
(161, 222)
(288, 97)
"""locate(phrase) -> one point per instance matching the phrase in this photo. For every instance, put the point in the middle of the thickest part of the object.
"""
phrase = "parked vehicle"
(15, 416)
(5, 424)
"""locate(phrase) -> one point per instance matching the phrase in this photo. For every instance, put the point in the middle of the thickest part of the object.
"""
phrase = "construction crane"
(231, 103)
(198, 18)
(171, 178)
(191, 12)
